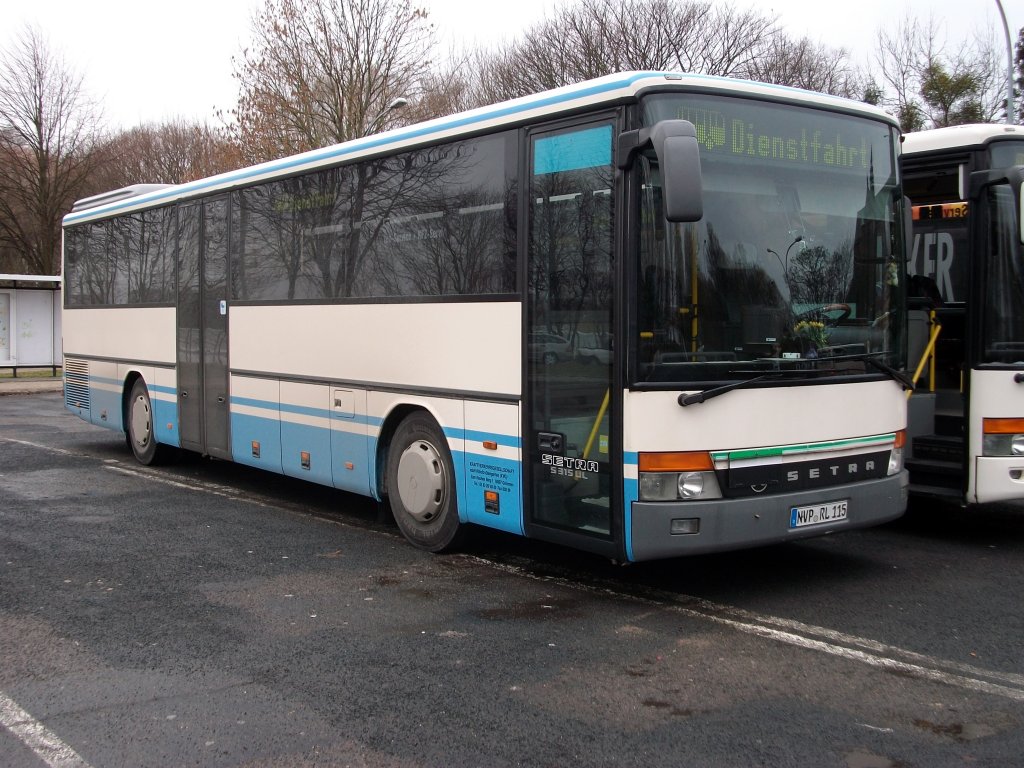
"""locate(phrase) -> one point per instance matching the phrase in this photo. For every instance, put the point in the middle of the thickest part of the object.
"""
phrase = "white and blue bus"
(647, 315)
(967, 312)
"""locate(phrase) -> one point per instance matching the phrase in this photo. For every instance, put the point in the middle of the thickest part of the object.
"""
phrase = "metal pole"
(1009, 66)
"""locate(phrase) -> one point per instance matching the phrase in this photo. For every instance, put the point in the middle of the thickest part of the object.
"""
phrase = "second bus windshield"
(796, 258)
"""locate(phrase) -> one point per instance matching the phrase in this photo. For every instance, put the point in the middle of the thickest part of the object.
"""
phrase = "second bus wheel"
(139, 429)
(421, 485)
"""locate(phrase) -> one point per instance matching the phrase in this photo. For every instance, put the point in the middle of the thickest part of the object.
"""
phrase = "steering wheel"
(825, 314)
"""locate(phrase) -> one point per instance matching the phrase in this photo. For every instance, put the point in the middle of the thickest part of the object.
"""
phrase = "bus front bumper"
(726, 524)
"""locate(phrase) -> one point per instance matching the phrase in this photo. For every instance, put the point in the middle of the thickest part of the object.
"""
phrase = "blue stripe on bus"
(282, 444)
(502, 476)
(106, 408)
(340, 151)
(120, 383)
(305, 410)
(252, 434)
(631, 492)
(165, 422)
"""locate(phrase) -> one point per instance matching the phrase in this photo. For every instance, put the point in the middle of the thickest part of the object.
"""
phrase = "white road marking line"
(45, 744)
(922, 667)
(870, 645)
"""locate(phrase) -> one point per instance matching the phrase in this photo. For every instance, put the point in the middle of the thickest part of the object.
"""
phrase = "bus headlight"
(684, 486)
(691, 485)
(1002, 437)
(1003, 445)
(896, 454)
(677, 476)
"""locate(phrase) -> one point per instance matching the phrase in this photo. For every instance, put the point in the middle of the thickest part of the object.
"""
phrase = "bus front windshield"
(1006, 153)
(797, 261)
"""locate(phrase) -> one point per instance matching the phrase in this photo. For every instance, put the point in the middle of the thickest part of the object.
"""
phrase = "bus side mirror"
(675, 145)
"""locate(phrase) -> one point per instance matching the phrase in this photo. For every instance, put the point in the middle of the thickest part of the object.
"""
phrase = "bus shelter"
(30, 322)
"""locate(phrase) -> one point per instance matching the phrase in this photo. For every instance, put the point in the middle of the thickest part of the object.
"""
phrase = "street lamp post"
(1009, 65)
(398, 103)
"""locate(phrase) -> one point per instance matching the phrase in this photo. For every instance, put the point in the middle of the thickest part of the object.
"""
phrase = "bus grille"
(76, 384)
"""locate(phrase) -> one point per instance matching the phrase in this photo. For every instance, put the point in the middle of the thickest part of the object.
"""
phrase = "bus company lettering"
(805, 475)
(810, 147)
(934, 256)
(813, 473)
(569, 463)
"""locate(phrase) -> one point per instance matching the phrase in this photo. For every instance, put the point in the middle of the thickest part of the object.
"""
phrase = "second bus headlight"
(896, 454)
(1002, 437)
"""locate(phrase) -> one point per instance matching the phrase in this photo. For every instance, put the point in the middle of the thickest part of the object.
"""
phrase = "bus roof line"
(438, 127)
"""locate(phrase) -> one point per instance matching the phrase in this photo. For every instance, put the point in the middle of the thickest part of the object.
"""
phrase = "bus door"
(568, 344)
(203, 402)
(995, 422)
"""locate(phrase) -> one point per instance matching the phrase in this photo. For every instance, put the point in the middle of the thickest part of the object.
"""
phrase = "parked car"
(548, 347)
(594, 347)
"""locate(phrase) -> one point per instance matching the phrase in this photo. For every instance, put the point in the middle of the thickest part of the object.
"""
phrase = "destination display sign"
(747, 130)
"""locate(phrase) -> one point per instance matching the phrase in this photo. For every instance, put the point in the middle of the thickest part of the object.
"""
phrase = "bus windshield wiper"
(707, 394)
(885, 368)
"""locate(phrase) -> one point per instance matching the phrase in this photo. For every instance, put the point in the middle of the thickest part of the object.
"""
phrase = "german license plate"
(817, 514)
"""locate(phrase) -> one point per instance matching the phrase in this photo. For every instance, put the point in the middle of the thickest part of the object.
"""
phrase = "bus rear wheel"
(140, 435)
(421, 485)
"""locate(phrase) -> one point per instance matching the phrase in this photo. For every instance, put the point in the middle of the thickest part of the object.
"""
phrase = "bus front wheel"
(140, 435)
(421, 485)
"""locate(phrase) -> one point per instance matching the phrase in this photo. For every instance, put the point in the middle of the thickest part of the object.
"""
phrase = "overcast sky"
(150, 61)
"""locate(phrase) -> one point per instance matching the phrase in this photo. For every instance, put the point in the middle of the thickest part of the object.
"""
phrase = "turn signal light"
(1002, 426)
(690, 461)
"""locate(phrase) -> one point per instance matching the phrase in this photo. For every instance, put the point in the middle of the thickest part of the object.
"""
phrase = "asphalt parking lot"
(206, 614)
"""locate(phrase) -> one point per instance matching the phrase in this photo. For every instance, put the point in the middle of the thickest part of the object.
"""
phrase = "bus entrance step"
(939, 448)
(949, 423)
(935, 473)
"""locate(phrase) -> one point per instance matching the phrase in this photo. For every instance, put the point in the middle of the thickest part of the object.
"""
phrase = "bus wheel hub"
(422, 481)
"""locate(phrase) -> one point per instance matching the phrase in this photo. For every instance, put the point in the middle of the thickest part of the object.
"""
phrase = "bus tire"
(421, 485)
(139, 432)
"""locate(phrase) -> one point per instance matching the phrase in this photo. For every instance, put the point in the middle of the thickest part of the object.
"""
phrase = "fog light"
(685, 526)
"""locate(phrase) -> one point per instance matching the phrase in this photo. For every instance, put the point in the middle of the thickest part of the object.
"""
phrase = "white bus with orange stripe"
(647, 315)
(967, 322)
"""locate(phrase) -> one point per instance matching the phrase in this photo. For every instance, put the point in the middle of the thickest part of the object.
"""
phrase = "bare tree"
(48, 127)
(928, 84)
(324, 71)
(591, 38)
(802, 63)
(445, 90)
(169, 153)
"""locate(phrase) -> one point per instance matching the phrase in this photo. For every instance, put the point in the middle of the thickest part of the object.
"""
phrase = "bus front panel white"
(994, 395)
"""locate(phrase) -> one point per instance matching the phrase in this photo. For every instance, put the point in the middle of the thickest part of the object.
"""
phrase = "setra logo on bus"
(757, 479)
